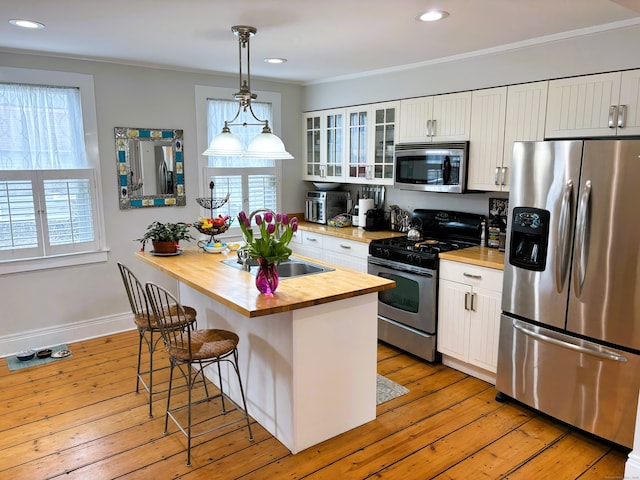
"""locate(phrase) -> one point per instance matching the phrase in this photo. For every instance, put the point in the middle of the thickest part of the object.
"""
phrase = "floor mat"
(388, 389)
(14, 364)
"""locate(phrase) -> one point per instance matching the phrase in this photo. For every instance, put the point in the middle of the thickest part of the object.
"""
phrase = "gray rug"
(388, 389)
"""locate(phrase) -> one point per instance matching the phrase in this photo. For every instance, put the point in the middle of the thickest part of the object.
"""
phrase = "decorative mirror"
(150, 166)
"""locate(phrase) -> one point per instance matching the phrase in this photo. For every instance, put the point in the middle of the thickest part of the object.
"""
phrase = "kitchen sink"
(293, 267)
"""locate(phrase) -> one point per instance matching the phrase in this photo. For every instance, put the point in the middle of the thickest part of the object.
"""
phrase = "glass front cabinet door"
(371, 138)
(323, 142)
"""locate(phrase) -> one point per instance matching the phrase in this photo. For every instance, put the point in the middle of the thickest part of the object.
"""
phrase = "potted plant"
(166, 236)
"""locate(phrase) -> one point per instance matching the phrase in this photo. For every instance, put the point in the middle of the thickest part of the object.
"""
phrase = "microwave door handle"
(582, 244)
(562, 252)
(446, 171)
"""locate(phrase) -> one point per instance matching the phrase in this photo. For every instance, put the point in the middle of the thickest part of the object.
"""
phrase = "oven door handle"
(400, 267)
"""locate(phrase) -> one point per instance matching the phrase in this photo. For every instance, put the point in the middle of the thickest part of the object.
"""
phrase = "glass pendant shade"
(267, 146)
(225, 144)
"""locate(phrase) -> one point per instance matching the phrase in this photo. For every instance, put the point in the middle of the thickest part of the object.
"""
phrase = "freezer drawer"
(589, 386)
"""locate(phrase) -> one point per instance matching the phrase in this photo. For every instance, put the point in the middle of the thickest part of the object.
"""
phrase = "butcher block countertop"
(481, 256)
(349, 233)
(236, 288)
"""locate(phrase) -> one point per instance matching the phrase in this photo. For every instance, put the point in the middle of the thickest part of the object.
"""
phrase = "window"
(49, 195)
(252, 184)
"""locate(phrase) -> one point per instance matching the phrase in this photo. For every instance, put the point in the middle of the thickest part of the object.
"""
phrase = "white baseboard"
(69, 333)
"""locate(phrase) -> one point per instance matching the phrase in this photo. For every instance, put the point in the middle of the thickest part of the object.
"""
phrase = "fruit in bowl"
(214, 247)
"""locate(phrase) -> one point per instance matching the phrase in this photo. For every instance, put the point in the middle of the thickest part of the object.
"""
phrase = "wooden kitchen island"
(307, 354)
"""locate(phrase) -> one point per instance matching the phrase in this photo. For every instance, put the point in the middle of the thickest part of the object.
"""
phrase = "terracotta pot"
(165, 247)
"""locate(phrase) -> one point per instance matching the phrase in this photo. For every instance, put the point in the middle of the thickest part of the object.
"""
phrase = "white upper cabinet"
(324, 145)
(371, 136)
(486, 148)
(594, 105)
(629, 104)
(525, 120)
(501, 116)
(439, 118)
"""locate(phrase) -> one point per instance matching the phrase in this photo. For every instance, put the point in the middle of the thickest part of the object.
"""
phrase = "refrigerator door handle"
(596, 351)
(582, 244)
(562, 255)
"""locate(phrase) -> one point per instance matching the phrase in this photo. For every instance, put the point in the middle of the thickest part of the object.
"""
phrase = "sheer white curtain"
(47, 188)
(40, 128)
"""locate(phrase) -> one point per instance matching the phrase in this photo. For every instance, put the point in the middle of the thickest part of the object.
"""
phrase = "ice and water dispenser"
(529, 238)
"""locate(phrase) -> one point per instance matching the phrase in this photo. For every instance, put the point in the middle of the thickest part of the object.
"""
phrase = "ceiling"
(322, 39)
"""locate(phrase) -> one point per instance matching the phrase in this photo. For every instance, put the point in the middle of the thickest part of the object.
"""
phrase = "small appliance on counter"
(375, 220)
(322, 206)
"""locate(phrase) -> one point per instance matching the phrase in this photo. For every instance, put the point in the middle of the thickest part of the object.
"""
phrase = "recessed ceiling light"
(432, 15)
(26, 23)
(275, 60)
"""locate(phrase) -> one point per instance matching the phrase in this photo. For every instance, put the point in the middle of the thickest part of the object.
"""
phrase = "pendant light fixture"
(266, 145)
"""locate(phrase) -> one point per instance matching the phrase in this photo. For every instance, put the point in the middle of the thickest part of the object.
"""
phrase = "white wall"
(60, 305)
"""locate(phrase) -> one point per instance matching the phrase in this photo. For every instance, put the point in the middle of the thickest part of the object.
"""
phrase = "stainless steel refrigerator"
(570, 329)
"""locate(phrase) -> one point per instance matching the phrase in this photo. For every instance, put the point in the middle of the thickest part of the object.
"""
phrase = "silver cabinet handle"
(582, 242)
(504, 176)
(622, 113)
(473, 302)
(496, 176)
(562, 255)
(613, 113)
(428, 128)
(311, 239)
(471, 275)
(466, 300)
(596, 351)
(347, 247)
(434, 127)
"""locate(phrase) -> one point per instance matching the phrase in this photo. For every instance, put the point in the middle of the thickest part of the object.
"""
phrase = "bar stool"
(191, 352)
(147, 326)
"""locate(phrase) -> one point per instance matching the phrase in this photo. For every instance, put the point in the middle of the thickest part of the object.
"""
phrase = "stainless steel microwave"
(431, 167)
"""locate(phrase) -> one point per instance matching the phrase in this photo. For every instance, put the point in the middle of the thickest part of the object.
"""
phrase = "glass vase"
(267, 277)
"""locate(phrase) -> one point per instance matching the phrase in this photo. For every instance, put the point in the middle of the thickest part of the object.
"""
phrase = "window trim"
(85, 84)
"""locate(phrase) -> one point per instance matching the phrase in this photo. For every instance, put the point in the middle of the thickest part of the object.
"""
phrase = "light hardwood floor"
(79, 418)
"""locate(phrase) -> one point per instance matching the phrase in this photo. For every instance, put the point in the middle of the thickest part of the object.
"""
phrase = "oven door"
(413, 300)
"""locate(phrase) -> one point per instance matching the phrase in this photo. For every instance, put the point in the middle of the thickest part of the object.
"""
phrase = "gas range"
(423, 253)
(407, 314)
(442, 231)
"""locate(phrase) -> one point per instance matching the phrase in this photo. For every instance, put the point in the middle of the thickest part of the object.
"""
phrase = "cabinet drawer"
(310, 239)
(346, 247)
(488, 278)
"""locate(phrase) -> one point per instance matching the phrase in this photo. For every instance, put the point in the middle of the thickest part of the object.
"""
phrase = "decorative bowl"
(212, 230)
(25, 356)
(214, 247)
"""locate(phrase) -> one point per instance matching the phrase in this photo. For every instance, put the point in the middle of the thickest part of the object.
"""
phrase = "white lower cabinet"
(327, 248)
(469, 318)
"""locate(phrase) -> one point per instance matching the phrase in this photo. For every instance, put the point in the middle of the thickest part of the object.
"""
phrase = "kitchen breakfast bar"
(307, 354)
